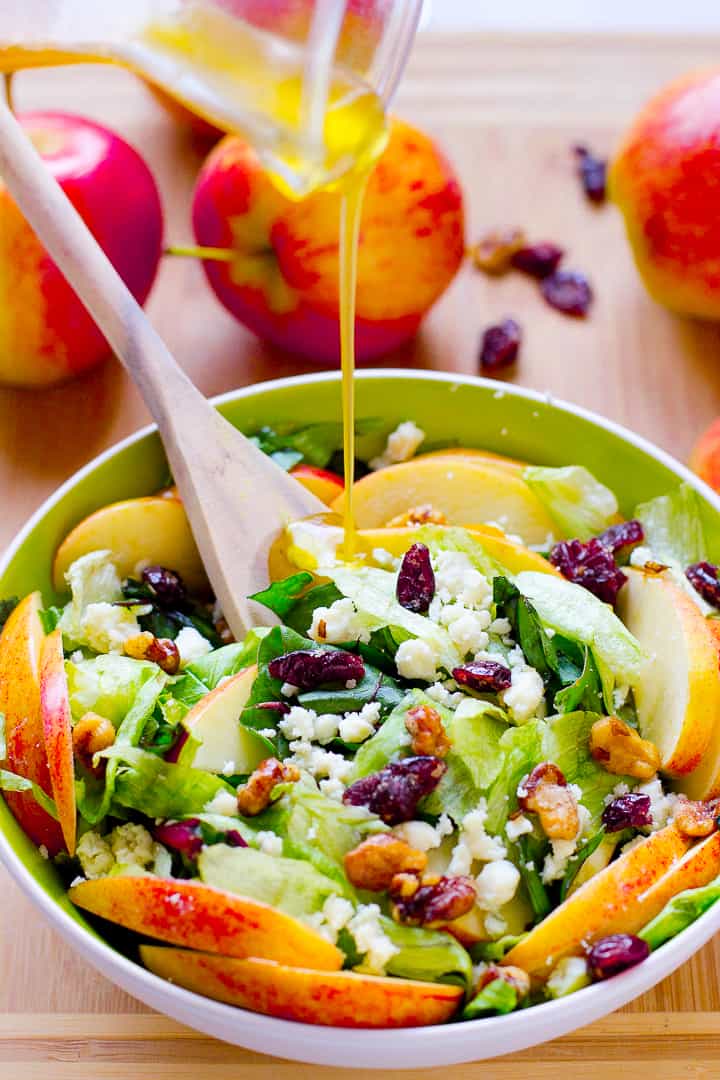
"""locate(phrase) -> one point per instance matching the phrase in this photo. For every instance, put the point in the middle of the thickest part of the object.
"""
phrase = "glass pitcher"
(305, 81)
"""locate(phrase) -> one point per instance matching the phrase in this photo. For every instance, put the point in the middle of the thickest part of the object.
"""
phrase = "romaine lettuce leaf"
(333, 827)
(474, 760)
(292, 885)
(576, 613)
(108, 685)
(439, 538)
(522, 749)
(229, 659)
(679, 913)
(390, 741)
(427, 955)
(567, 744)
(495, 999)
(157, 788)
(578, 503)
(673, 527)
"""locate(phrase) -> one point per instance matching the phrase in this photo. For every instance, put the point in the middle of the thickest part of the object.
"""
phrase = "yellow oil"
(250, 81)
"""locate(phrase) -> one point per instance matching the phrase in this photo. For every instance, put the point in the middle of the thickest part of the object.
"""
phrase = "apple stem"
(8, 77)
(193, 251)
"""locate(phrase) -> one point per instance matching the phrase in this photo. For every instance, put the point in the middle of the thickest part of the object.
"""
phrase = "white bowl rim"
(368, 1048)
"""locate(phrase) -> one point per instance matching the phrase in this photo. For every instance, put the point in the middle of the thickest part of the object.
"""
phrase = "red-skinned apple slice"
(199, 916)
(57, 728)
(337, 998)
(20, 646)
(215, 723)
(321, 482)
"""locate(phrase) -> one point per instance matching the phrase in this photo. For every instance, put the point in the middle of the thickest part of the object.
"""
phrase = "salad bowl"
(451, 410)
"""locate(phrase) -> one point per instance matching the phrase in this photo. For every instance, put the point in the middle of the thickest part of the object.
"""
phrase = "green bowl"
(452, 410)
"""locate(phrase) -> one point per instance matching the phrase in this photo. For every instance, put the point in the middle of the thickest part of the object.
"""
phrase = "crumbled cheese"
(133, 845)
(416, 659)
(326, 727)
(495, 925)
(319, 762)
(641, 555)
(526, 694)
(371, 941)
(338, 623)
(355, 727)
(518, 826)
(95, 855)
(402, 444)
(439, 692)
(620, 694)
(43, 852)
(662, 805)
(224, 803)
(350, 684)
(457, 579)
(191, 645)
(475, 842)
(569, 975)
(106, 627)
(228, 768)
(556, 862)
(332, 789)
(268, 732)
(496, 884)
(269, 843)
(385, 559)
(299, 723)
(468, 631)
(289, 689)
(501, 627)
(423, 836)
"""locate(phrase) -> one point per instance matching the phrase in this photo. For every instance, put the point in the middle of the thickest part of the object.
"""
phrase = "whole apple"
(665, 178)
(46, 335)
(282, 282)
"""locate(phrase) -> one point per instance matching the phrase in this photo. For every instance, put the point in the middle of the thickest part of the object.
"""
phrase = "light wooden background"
(507, 109)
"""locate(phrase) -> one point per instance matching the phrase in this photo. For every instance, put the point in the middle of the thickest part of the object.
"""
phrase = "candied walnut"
(417, 515)
(620, 749)
(433, 902)
(425, 726)
(514, 976)
(494, 251)
(91, 734)
(376, 861)
(256, 794)
(545, 792)
(161, 651)
(696, 818)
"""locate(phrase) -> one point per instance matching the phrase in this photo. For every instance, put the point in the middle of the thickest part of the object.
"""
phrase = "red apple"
(321, 482)
(57, 727)
(283, 279)
(46, 335)
(665, 180)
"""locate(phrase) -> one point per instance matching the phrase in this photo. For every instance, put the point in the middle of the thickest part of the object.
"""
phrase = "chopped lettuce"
(673, 527)
(495, 999)
(10, 781)
(578, 503)
(292, 885)
(282, 596)
(567, 744)
(439, 538)
(391, 740)
(92, 579)
(474, 760)
(157, 788)
(522, 748)
(229, 659)
(573, 611)
(108, 685)
(427, 955)
(679, 913)
(331, 827)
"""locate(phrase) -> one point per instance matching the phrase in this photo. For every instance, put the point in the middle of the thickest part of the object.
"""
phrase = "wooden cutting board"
(507, 109)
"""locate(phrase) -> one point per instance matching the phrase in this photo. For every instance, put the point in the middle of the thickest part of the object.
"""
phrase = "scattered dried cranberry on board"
(592, 171)
(590, 565)
(568, 291)
(500, 345)
(615, 953)
(416, 580)
(703, 576)
(538, 260)
(394, 792)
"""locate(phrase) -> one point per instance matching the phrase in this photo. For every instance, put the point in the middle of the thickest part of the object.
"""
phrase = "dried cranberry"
(281, 707)
(631, 811)
(703, 576)
(416, 581)
(615, 953)
(538, 260)
(233, 838)
(166, 585)
(592, 171)
(485, 676)
(433, 902)
(619, 538)
(308, 668)
(590, 565)
(394, 792)
(568, 291)
(174, 752)
(500, 345)
(182, 836)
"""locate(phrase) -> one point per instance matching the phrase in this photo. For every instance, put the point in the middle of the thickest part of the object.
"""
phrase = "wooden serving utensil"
(237, 499)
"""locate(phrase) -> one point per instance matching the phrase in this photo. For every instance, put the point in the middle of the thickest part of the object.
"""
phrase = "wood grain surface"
(507, 109)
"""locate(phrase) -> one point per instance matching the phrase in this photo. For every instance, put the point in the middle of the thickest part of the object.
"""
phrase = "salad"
(472, 765)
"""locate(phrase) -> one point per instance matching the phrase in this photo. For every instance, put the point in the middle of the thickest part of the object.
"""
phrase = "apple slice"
(678, 695)
(215, 722)
(699, 866)
(466, 491)
(201, 917)
(498, 461)
(154, 529)
(321, 482)
(616, 900)
(335, 998)
(20, 648)
(57, 728)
